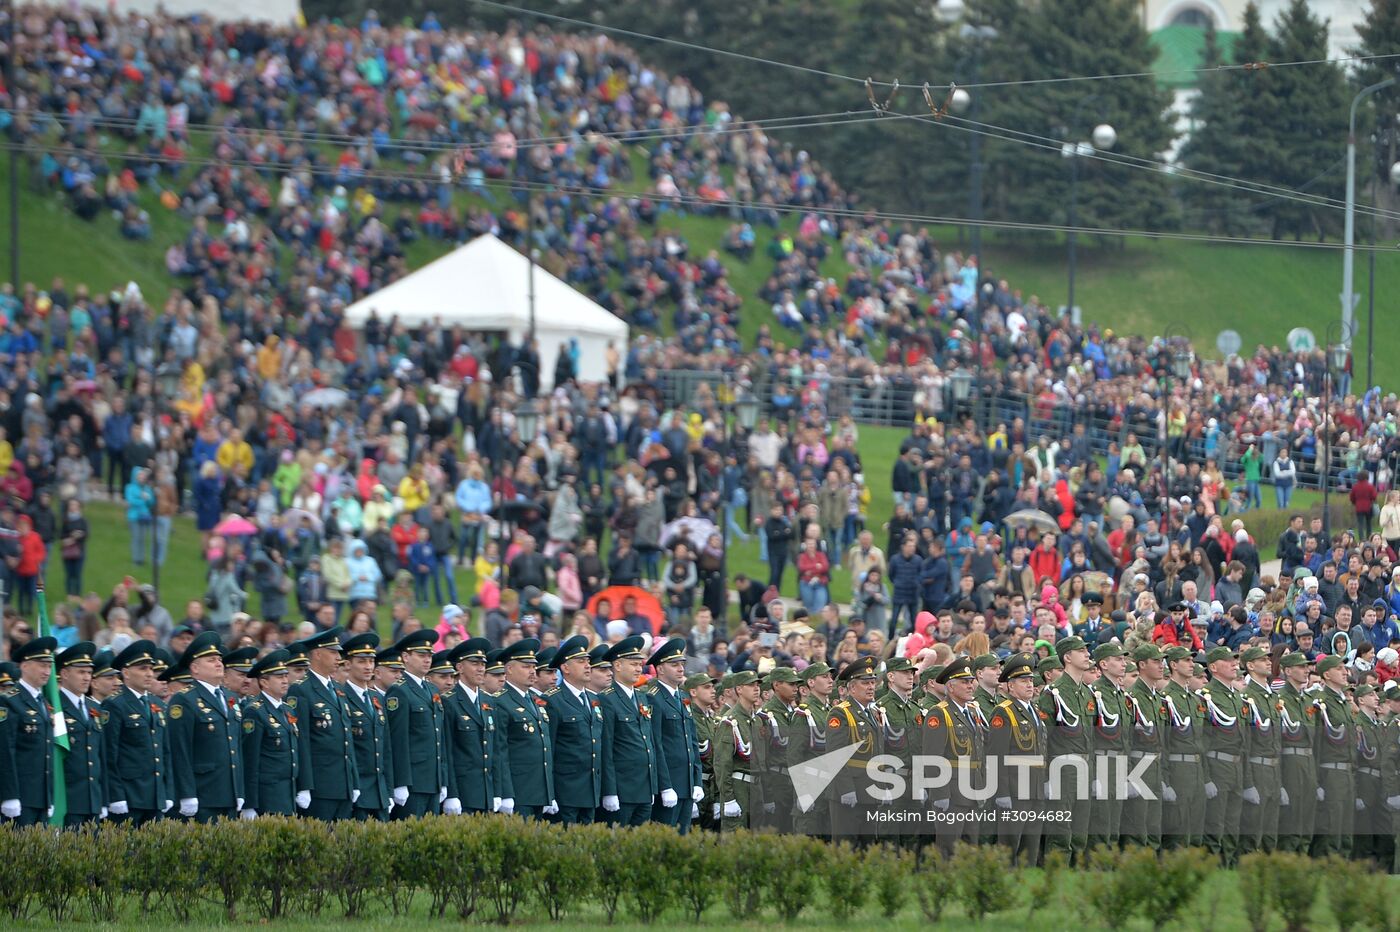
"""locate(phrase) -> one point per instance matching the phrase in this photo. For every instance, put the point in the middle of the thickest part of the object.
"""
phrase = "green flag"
(60, 726)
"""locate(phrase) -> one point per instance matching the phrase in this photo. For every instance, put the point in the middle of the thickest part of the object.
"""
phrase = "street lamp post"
(1103, 138)
(527, 425)
(975, 35)
(1349, 224)
(1176, 345)
(1336, 357)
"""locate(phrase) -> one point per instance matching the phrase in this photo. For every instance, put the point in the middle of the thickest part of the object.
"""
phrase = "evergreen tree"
(1377, 123)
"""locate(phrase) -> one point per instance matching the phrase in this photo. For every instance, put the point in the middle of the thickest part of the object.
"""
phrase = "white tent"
(277, 12)
(485, 286)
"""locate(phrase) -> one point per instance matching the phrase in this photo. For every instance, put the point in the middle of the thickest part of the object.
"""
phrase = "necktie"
(82, 707)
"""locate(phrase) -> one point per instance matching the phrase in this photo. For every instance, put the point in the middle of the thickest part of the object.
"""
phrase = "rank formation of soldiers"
(1081, 750)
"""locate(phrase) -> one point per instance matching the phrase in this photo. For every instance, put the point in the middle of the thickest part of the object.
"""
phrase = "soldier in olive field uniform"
(1263, 791)
(1300, 789)
(786, 736)
(1070, 710)
(1113, 737)
(271, 745)
(700, 695)
(812, 816)
(85, 765)
(1336, 744)
(734, 753)
(1389, 853)
(1183, 794)
(1227, 723)
(1142, 817)
(1370, 816)
(1016, 729)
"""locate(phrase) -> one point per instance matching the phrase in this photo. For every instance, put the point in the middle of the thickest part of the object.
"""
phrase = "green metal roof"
(1180, 49)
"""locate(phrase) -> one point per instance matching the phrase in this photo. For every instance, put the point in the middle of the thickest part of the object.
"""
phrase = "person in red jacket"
(405, 534)
(1175, 630)
(32, 552)
(1363, 498)
(1045, 560)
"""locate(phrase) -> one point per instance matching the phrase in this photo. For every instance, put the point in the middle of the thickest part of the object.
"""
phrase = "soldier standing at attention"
(1017, 730)
(1390, 778)
(1226, 724)
(986, 669)
(631, 781)
(1142, 817)
(1113, 739)
(85, 765)
(388, 670)
(576, 735)
(953, 731)
(854, 722)
(927, 696)
(369, 730)
(902, 720)
(441, 674)
(1336, 746)
(700, 697)
(1300, 791)
(523, 726)
(237, 682)
(271, 748)
(472, 738)
(1070, 709)
(674, 737)
(26, 738)
(327, 782)
(495, 679)
(105, 679)
(1370, 816)
(1183, 796)
(134, 732)
(1262, 790)
(206, 731)
(734, 753)
(417, 732)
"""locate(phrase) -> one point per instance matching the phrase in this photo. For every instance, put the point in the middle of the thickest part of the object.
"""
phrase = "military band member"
(418, 739)
(26, 738)
(674, 737)
(1263, 790)
(327, 782)
(369, 730)
(206, 731)
(271, 746)
(734, 753)
(631, 775)
(105, 679)
(1016, 741)
(953, 732)
(522, 724)
(84, 766)
(1113, 737)
(1142, 816)
(134, 730)
(1335, 770)
(1070, 710)
(1183, 792)
(472, 737)
(575, 735)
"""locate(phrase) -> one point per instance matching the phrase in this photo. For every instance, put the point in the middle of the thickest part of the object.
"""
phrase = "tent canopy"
(485, 286)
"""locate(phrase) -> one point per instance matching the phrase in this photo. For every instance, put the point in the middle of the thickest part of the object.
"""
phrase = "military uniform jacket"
(271, 757)
(1298, 720)
(847, 724)
(986, 702)
(85, 764)
(735, 758)
(324, 720)
(1227, 718)
(1264, 735)
(1368, 759)
(527, 761)
(1337, 728)
(955, 735)
(26, 750)
(1149, 729)
(1113, 719)
(903, 717)
(705, 746)
(1018, 730)
(418, 739)
(134, 731)
(1186, 716)
(1390, 760)
(1070, 711)
(369, 735)
(676, 741)
(576, 739)
(476, 750)
(630, 770)
(815, 712)
(1091, 631)
(206, 748)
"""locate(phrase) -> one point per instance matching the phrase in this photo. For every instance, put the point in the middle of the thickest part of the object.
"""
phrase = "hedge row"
(492, 869)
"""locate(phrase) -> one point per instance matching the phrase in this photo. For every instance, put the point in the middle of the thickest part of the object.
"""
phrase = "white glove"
(354, 797)
(248, 814)
(1045, 788)
(552, 808)
(668, 798)
(1003, 802)
(1132, 790)
(731, 809)
(694, 811)
(119, 808)
(611, 804)
(770, 808)
(1168, 794)
(168, 804)
(920, 795)
(941, 805)
(10, 808)
(697, 793)
(1282, 796)
(1360, 805)
(1393, 802)
(1211, 791)
(716, 811)
(189, 807)
(507, 806)
(400, 796)
(103, 813)
(1095, 789)
(495, 804)
(848, 799)
(452, 806)
(50, 813)
(442, 794)
(391, 805)
(303, 799)
(1251, 795)
(240, 803)
(1321, 795)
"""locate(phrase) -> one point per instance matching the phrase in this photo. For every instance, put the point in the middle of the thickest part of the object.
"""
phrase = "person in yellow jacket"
(413, 489)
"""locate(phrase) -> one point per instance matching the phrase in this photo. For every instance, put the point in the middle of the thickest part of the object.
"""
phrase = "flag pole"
(60, 727)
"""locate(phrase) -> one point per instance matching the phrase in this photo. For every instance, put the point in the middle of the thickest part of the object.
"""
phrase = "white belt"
(1224, 756)
(1369, 771)
(1262, 761)
(1298, 752)
(744, 777)
(1336, 765)
(1184, 758)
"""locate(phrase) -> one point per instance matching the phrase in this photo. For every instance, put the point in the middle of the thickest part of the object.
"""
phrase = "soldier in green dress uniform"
(237, 664)
(388, 669)
(1094, 624)
(779, 735)
(495, 679)
(1070, 711)
(299, 666)
(1370, 821)
(631, 776)
(85, 765)
(418, 737)
(700, 696)
(206, 732)
(735, 760)
(474, 746)
(575, 735)
(1113, 742)
(105, 679)
(1337, 737)
(522, 724)
(674, 737)
(441, 673)
(9, 678)
(1016, 742)
(1142, 817)
(1298, 732)
(1263, 790)
(1183, 795)
(26, 738)
(328, 781)
(271, 745)
(138, 776)
(369, 730)
(545, 678)
(953, 731)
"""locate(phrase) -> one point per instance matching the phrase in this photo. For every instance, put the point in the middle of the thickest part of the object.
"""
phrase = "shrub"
(222, 848)
(500, 851)
(284, 860)
(700, 879)
(1295, 881)
(797, 858)
(652, 852)
(558, 873)
(934, 883)
(1257, 889)
(611, 860)
(1357, 895)
(752, 870)
(1113, 894)
(360, 863)
(843, 875)
(165, 862)
(984, 879)
(20, 850)
(1045, 889)
(62, 873)
(1167, 887)
(889, 869)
